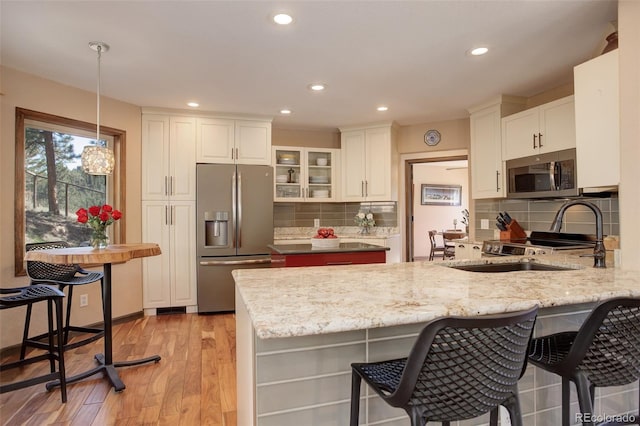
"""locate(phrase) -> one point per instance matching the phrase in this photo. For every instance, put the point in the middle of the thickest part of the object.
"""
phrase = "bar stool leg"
(584, 396)
(25, 333)
(566, 402)
(355, 398)
(67, 324)
(61, 367)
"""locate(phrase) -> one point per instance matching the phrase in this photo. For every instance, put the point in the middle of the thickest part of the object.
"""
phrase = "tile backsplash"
(332, 214)
(538, 215)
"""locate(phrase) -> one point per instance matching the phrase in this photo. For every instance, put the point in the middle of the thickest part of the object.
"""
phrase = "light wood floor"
(193, 384)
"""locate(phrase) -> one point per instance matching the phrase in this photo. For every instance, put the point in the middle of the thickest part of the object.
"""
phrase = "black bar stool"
(604, 352)
(27, 296)
(69, 275)
(458, 369)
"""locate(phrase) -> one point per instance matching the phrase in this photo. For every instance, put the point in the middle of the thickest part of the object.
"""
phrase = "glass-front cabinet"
(305, 174)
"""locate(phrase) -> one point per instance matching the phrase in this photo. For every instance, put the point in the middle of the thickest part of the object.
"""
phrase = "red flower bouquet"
(99, 218)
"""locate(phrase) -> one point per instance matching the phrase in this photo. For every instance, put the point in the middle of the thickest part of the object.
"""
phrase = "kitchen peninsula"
(299, 329)
(345, 254)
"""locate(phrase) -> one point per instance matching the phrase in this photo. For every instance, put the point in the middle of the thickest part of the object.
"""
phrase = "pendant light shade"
(97, 159)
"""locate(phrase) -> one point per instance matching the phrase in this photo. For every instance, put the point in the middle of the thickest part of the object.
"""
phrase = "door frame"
(407, 186)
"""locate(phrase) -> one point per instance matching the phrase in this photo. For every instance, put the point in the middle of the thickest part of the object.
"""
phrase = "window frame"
(116, 183)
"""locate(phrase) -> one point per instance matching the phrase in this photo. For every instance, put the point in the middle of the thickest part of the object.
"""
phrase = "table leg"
(106, 360)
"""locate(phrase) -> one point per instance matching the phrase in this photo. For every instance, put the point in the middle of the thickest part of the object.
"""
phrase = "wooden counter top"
(112, 254)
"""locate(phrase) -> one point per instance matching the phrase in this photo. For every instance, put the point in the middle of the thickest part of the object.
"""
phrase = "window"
(50, 183)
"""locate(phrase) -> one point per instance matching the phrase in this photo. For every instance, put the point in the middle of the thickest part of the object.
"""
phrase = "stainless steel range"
(538, 243)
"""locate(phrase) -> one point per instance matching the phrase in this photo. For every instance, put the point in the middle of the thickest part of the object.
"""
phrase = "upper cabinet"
(487, 168)
(546, 128)
(305, 174)
(229, 141)
(598, 121)
(369, 164)
(169, 154)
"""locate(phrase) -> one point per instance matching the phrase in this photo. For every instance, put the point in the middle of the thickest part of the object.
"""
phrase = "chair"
(27, 296)
(459, 368)
(436, 250)
(67, 275)
(605, 351)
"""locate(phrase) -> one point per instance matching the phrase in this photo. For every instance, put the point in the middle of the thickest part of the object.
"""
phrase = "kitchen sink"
(510, 267)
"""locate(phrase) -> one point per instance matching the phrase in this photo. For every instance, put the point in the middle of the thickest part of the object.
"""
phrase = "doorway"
(422, 213)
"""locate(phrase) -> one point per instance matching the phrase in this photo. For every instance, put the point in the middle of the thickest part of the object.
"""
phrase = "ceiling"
(230, 57)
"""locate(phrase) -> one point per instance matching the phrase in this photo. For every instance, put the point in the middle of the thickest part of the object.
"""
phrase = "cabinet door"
(253, 142)
(598, 121)
(487, 174)
(156, 270)
(557, 125)
(321, 176)
(378, 164)
(353, 165)
(155, 157)
(288, 166)
(183, 253)
(182, 162)
(520, 134)
(215, 140)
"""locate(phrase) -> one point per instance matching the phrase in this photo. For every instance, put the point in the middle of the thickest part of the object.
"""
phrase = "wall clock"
(432, 137)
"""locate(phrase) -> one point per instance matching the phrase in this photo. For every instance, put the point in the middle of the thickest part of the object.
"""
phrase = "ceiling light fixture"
(317, 87)
(382, 108)
(479, 51)
(98, 159)
(193, 104)
(285, 111)
(282, 19)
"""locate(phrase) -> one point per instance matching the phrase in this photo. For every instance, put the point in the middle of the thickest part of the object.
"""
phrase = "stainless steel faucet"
(599, 252)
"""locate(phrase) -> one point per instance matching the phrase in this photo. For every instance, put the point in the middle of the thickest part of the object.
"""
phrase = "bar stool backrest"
(42, 271)
(607, 347)
(461, 368)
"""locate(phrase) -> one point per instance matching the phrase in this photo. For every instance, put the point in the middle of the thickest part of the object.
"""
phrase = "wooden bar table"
(115, 253)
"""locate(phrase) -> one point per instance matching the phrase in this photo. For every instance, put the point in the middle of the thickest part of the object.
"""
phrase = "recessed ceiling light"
(285, 111)
(317, 87)
(382, 108)
(282, 19)
(479, 51)
(193, 104)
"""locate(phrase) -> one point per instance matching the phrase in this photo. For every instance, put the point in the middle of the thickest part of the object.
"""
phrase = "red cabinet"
(327, 259)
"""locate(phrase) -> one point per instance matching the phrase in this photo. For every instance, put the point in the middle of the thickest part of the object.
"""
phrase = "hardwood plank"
(194, 383)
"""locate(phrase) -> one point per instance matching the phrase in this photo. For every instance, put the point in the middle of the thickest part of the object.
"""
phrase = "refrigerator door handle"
(234, 262)
(239, 218)
(234, 199)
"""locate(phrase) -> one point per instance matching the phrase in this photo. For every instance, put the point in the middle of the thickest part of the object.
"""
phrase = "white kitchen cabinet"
(230, 141)
(305, 174)
(369, 164)
(169, 280)
(168, 211)
(598, 122)
(546, 128)
(468, 250)
(488, 178)
(168, 157)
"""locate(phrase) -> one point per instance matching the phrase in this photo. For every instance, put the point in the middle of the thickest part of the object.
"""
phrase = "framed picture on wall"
(441, 195)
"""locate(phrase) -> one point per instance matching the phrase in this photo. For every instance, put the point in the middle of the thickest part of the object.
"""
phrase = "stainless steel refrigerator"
(234, 208)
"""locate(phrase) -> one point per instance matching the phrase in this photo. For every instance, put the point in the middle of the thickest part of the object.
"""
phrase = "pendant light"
(98, 159)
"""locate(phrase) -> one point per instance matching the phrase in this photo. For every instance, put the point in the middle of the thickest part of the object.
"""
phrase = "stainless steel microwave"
(543, 176)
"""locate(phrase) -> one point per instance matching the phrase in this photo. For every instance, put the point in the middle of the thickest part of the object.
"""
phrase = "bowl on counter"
(325, 243)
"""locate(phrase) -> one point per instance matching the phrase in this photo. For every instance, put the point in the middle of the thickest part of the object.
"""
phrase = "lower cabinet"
(328, 259)
(468, 250)
(393, 255)
(169, 280)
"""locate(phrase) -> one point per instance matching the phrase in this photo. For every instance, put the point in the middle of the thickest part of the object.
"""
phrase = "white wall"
(428, 217)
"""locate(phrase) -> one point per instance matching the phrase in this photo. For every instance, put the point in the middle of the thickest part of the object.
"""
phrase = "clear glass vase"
(364, 230)
(99, 239)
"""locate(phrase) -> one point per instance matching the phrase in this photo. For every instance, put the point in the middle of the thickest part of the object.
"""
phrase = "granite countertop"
(352, 232)
(288, 302)
(308, 249)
